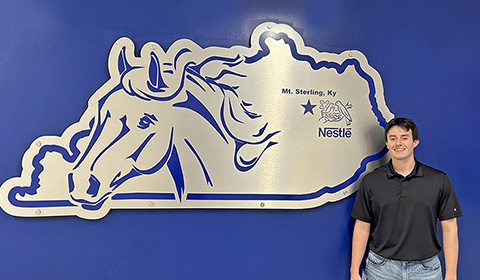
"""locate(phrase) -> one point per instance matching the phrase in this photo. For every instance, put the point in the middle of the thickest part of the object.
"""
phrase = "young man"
(397, 207)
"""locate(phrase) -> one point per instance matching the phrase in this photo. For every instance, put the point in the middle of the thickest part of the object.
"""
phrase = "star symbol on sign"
(308, 107)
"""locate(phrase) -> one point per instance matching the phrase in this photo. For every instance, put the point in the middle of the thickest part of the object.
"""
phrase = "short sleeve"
(449, 207)
(361, 207)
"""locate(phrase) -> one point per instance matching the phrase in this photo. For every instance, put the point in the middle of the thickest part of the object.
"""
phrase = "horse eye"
(146, 121)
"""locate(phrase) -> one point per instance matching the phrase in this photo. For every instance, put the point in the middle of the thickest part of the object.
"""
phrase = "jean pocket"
(431, 263)
(375, 259)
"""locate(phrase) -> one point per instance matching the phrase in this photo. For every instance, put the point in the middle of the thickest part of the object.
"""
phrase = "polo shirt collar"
(416, 172)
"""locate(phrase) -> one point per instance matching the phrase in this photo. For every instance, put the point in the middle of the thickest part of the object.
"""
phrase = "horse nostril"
(94, 186)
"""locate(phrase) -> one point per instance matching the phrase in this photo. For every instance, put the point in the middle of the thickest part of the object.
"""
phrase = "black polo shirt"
(403, 211)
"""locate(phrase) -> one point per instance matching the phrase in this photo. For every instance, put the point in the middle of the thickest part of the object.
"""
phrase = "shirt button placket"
(402, 188)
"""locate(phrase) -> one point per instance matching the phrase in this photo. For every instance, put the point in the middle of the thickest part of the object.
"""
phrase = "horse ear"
(120, 54)
(155, 82)
(122, 63)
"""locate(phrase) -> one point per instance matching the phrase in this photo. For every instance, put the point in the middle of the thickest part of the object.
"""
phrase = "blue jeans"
(380, 268)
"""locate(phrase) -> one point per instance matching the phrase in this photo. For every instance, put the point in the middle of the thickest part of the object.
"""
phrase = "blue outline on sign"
(171, 158)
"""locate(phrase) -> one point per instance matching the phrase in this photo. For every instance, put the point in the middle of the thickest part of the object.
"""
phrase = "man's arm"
(361, 232)
(450, 247)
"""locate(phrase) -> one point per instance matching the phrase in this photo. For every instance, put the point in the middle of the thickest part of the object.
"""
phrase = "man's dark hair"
(408, 124)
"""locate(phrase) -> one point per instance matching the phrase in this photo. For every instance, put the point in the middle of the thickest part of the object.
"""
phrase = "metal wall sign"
(274, 125)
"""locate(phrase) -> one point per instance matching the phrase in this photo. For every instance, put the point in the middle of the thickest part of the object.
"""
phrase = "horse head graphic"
(170, 126)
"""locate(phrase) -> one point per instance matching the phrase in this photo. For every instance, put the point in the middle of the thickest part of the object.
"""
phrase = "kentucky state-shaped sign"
(274, 125)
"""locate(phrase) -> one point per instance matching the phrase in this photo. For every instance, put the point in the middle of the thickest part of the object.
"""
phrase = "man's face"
(400, 143)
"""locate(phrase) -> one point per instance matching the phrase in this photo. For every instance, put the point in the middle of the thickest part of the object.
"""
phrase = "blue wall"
(53, 56)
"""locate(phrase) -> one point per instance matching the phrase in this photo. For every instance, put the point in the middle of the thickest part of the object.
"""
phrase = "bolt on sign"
(276, 125)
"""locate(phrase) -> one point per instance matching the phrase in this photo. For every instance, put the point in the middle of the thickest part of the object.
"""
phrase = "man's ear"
(416, 142)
